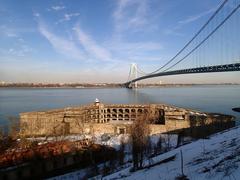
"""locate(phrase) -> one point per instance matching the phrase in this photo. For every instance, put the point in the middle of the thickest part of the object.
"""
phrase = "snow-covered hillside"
(215, 158)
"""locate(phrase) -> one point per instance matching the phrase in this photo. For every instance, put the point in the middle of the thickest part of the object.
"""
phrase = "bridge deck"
(208, 69)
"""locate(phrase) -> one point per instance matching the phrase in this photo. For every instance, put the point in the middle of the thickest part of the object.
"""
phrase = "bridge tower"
(133, 75)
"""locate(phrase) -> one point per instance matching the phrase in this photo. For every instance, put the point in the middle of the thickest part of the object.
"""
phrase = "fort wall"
(108, 118)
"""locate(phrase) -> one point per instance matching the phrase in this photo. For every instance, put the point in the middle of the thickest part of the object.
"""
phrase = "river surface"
(207, 98)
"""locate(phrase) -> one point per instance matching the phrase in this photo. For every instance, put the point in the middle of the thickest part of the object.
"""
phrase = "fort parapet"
(111, 118)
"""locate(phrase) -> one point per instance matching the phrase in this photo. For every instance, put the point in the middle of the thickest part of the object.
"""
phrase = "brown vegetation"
(20, 154)
(140, 140)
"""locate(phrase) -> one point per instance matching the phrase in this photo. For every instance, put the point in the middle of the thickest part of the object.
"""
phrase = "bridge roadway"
(208, 69)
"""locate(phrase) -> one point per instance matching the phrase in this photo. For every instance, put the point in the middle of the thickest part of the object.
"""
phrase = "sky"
(96, 41)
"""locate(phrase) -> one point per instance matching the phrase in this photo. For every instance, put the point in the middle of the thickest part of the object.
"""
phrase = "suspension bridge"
(214, 48)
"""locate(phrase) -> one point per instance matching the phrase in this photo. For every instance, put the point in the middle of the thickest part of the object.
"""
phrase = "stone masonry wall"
(104, 118)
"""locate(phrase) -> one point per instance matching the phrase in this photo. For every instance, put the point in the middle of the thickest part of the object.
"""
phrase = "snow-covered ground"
(169, 141)
(215, 158)
(113, 140)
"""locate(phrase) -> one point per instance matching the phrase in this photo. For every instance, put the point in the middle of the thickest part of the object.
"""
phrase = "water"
(220, 99)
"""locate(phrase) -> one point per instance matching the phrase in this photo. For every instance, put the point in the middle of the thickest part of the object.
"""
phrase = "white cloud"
(196, 17)
(11, 34)
(133, 48)
(91, 47)
(68, 17)
(118, 13)
(61, 45)
(20, 51)
(36, 14)
(131, 14)
(175, 30)
(14, 32)
(21, 40)
(57, 8)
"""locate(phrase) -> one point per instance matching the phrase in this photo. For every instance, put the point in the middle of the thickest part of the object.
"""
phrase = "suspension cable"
(209, 35)
(189, 42)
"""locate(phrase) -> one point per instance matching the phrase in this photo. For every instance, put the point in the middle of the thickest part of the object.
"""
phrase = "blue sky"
(96, 40)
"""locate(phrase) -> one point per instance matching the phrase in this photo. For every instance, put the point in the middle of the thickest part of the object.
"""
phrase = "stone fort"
(107, 118)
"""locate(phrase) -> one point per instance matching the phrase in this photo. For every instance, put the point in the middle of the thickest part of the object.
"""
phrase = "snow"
(112, 140)
(215, 158)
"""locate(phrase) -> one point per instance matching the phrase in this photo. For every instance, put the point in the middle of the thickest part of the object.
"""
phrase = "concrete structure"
(133, 74)
(107, 118)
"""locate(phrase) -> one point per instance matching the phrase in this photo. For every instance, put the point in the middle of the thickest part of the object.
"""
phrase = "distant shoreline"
(104, 85)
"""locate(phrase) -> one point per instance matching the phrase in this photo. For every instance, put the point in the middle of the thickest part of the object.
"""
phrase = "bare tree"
(1, 133)
(139, 135)
(13, 127)
(121, 153)
(159, 144)
(23, 129)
